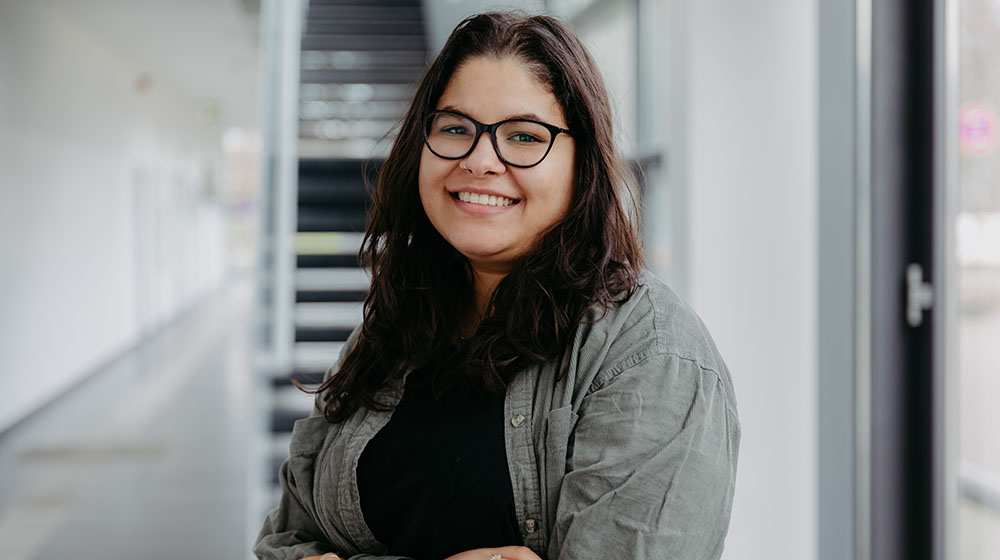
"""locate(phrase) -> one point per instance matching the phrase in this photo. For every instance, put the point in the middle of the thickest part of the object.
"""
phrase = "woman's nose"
(483, 160)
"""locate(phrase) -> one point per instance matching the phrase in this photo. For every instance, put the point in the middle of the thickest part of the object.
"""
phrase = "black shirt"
(434, 481)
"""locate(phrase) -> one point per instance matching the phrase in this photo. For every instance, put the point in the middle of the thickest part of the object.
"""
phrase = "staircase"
(360, 61)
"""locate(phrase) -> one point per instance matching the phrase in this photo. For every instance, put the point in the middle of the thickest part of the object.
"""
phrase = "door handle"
(919, 295)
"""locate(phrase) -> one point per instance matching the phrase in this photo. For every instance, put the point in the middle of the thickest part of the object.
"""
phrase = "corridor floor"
(154, 457)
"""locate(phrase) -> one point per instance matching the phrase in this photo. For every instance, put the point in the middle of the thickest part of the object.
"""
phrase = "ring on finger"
(496, 556)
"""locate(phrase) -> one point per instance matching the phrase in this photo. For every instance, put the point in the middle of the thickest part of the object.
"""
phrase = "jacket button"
(517, 421)
(529, 525)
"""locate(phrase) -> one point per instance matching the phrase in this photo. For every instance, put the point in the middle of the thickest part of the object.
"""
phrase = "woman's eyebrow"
(526, 116)
(453, 109)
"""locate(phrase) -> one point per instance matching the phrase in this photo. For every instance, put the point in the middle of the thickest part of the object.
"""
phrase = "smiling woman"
(453, 187)
(519, 388)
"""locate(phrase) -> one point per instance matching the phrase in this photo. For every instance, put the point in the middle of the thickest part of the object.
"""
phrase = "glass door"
(976, 410)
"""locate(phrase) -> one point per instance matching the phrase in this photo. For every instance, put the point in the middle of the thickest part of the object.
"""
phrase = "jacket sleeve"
(289, 531)
(651, 466)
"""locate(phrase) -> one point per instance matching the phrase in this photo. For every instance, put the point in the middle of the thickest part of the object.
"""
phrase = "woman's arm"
(289, 532)
(652, 466)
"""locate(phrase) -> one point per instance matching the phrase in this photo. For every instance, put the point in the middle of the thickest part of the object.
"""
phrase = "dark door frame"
(909, 167)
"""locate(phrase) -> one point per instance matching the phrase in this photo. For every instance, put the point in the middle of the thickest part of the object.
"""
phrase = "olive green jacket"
(630, 454)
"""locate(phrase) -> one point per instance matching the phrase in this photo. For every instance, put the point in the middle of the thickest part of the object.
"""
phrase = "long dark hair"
(421, 286)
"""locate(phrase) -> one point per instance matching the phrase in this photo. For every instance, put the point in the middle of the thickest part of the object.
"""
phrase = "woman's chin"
(486, 257)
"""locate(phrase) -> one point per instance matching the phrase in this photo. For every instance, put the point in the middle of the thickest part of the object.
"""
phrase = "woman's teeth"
(485, 199)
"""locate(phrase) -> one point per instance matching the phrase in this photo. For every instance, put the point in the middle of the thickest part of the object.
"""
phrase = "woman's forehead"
(491, 89)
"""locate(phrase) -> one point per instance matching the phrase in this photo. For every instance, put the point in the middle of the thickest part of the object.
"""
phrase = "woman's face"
(492, 237)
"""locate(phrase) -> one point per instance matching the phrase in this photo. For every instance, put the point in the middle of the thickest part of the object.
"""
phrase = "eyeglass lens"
(518, 142)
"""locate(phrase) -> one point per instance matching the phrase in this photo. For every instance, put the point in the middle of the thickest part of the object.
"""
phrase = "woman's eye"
(455, 130)
(523, 138)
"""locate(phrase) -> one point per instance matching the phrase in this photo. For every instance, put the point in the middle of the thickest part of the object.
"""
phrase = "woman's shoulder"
(653, 321)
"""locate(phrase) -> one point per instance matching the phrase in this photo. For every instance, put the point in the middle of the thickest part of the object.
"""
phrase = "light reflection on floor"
(152, 459)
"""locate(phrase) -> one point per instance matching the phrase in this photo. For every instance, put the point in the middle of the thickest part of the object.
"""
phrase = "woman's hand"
(504, 552)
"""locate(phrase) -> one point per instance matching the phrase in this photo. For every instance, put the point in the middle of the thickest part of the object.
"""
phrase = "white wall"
(729, 89)
(93, 174)
(743, 165)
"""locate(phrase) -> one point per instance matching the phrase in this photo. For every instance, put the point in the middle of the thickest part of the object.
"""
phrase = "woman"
(519, 388)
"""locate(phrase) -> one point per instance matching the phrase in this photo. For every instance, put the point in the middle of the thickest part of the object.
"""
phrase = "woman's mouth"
(484, 199)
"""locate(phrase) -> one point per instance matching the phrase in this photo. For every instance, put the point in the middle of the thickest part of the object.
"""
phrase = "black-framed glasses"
(517, 142)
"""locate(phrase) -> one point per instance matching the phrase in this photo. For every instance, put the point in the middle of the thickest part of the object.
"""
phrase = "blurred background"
(182, 196)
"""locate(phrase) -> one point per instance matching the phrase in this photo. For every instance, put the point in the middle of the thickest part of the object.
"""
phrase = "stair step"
(401, 75)
(315, 356)
(311, 219)
(305, 296)
(328, 261)
(276, 462)
(327, 243)
(321, 334)
(354, 26)
(283, 420)
(319, 279)
(382, 4)
(414, 42)
(328, 314)
(341, 10)
(306, 378)
(330, 189)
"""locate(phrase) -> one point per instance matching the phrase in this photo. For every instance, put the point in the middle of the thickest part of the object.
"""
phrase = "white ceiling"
(205, 48)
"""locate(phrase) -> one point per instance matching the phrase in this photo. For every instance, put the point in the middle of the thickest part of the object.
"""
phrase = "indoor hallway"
(819, 180)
